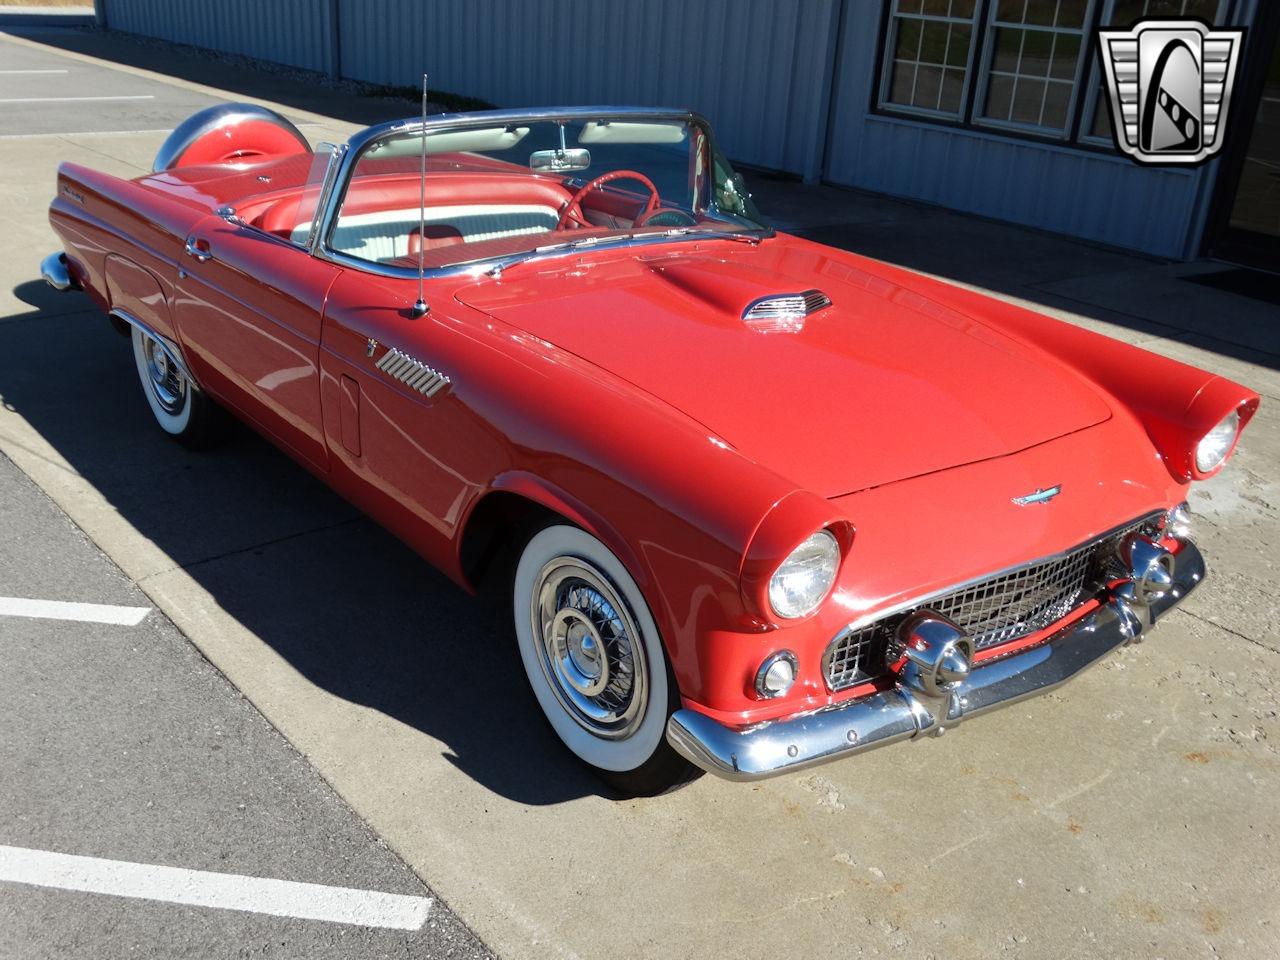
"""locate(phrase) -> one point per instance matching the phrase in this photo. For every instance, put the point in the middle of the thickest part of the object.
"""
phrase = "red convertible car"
(761, 503)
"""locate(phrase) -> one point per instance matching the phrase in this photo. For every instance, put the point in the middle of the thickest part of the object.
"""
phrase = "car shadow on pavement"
(344, 602)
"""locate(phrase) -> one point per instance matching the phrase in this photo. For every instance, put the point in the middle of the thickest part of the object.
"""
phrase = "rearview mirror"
(560, 161)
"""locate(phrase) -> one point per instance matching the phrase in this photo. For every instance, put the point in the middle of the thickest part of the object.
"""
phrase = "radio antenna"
(420, 307)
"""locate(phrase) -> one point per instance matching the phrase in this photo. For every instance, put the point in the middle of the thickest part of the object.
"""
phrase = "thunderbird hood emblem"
(1040, 496)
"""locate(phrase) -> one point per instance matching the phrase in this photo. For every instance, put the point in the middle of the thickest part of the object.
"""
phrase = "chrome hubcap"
(167, 385)
(589, 647)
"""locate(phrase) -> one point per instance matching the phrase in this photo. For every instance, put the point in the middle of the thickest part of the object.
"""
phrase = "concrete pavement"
(1130, 814)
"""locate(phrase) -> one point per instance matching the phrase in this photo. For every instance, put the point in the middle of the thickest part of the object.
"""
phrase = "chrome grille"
(1016, 604)
(1005, 607)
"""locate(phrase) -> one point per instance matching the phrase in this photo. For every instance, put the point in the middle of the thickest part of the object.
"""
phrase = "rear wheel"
(594, 659)
(180, 408)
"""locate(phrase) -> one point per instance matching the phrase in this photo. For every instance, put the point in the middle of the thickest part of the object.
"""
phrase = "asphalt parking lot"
(42, 95)
(376, 727)
(124, 748)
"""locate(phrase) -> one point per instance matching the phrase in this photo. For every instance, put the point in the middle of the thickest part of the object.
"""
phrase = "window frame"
(889, 42)
(1081, 111)
(990, 25)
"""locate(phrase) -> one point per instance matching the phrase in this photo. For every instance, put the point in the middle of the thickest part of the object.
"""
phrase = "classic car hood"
(882, 385)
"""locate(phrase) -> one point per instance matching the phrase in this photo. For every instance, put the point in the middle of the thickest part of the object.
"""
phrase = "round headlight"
(804, 579)
(1213, 449)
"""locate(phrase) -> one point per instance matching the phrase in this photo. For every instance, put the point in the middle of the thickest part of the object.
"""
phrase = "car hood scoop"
(880, 384)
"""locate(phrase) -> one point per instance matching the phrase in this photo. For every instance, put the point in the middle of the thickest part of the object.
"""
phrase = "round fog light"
(776, 675)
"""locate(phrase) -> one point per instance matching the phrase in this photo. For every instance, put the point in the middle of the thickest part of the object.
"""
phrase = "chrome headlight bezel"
(816, 558)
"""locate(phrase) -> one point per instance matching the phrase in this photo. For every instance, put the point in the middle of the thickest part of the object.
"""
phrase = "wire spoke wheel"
(589, 648)
(180, 408)
(595, 660)
(168, 385)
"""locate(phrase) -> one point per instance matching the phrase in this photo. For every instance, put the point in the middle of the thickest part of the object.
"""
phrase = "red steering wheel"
(573, 212)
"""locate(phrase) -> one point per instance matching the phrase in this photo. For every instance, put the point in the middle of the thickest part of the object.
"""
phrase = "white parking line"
(137, 96)
(10, 73)
(83, 612)
(222, 891)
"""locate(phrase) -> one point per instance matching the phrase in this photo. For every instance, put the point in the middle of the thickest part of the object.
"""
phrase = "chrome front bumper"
(904, 712)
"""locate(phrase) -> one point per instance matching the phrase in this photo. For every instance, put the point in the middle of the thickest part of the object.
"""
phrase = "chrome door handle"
(199, 249)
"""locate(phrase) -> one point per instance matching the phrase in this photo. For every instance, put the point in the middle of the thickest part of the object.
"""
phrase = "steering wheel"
(573, 212)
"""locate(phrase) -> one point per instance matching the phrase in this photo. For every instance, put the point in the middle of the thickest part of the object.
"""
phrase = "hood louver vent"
(784, 312)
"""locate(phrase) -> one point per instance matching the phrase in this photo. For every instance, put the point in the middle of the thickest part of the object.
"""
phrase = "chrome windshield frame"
(349, 155)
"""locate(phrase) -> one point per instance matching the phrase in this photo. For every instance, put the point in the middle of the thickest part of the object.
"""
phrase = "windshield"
(507, 189)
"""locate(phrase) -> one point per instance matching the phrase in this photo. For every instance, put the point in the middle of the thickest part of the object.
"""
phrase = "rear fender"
(137, 294)
(96, 215)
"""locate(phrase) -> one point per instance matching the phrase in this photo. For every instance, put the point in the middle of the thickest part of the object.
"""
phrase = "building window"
(1124, 13)
(1035, 52)
(1024, 66)
(928, 56)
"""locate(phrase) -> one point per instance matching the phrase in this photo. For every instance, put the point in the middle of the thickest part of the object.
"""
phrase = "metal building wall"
(293, 32)
(758, 69)
(764, 71)
(1109, 199)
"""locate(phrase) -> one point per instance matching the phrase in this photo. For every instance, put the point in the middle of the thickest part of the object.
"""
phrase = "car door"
(403, 399)
(248, 308)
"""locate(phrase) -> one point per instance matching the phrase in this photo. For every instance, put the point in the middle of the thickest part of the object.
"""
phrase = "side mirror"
(560, 161)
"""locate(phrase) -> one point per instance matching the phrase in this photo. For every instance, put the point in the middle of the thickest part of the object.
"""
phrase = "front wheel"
(594, 659)
(180, 408)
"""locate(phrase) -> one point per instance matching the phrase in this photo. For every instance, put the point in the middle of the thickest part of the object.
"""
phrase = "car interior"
(490, 189)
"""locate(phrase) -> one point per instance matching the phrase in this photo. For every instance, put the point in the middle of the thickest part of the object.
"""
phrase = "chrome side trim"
(53, 269)
(327, 185)
(889, 716)
(412, 373)
(171, 349)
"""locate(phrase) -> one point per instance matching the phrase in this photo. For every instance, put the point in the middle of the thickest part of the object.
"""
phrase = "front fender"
(1176, 403)
(551, 496)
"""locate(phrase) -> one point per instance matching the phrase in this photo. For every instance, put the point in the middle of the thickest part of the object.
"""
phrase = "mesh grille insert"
(1005, 607)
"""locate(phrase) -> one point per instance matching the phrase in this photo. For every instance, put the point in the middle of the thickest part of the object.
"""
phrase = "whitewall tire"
(594, 659)
(179, 407)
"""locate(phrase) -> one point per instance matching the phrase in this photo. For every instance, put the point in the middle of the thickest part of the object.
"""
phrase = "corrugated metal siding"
(1098, 197)
(761, 70)
(758, 69)
(1109, 200)
(294, 32)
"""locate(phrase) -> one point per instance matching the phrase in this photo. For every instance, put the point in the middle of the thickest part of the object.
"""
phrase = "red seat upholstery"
(437, 235)
(385, 192)
(281, 217)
